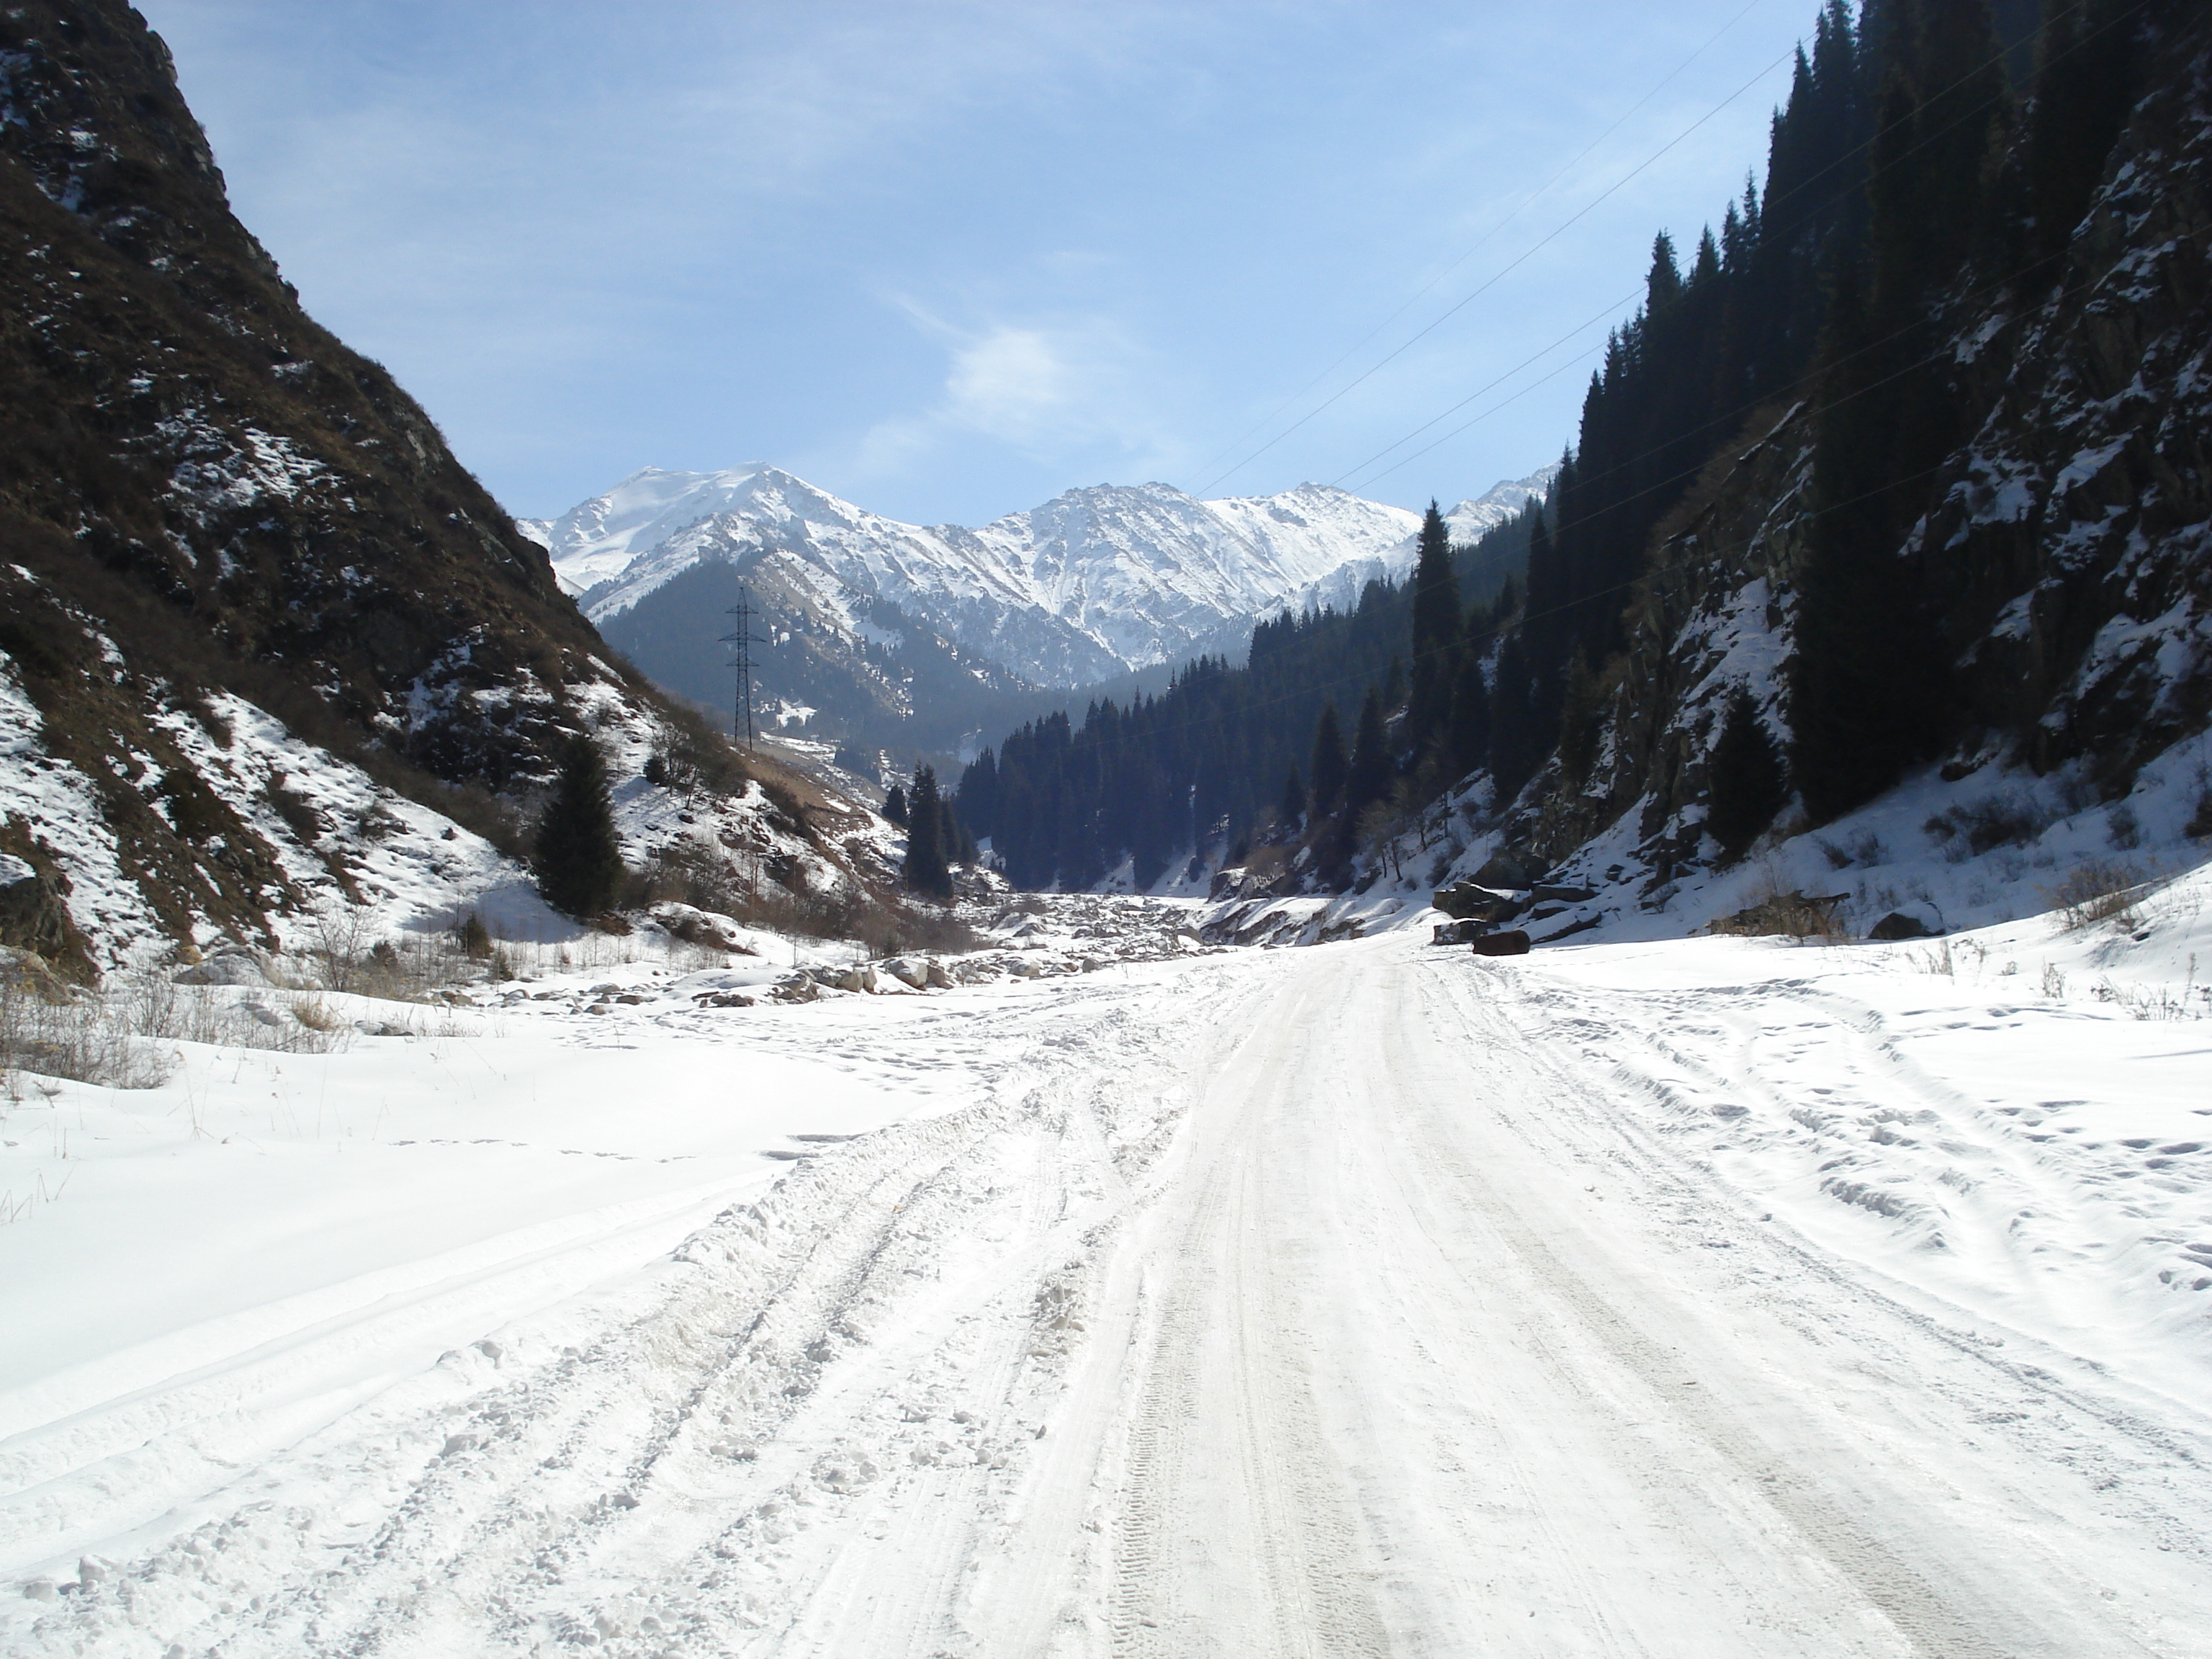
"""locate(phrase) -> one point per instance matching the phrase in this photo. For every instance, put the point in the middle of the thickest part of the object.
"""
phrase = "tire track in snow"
(1235, 1530)
(826, 1380)
(2035, 1607)
(1903, 1594)
(814, 1435)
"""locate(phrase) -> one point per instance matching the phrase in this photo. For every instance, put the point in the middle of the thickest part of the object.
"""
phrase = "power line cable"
(1606, 312)
(1651, 572)
(1481, 242)
(1504, 271)
(1979, 112)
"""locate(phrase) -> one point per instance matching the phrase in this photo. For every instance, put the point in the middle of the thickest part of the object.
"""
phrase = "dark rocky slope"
(205, 496)
(2067, 542)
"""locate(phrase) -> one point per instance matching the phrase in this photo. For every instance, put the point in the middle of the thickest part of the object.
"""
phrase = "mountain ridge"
(1101, 579)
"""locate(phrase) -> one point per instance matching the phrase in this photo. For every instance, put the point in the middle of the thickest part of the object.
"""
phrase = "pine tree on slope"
(1369, 779)
(926, 870)
(1330, 765)
(1435, 633)
(578, 856)
(1469, 736)
(1746, 784)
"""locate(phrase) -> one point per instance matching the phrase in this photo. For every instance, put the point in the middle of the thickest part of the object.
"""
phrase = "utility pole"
(742, 643)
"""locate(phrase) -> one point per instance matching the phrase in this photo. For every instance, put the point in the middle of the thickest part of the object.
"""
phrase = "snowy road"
(1355, 1300)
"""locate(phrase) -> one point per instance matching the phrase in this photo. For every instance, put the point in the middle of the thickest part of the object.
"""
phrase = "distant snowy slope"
(1095, 582)
(1471, 520)
(1145, 569)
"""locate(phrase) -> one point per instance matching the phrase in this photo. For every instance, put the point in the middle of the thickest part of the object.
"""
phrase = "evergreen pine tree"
(1745, 782)
(978, 795)
(1516, 739)
(894, 805)
(1469, 736)
(1292, 808)
(1579, 721)
(1368, 780)
(577, 855)
(926, 870)
(1330, 765)
(952, 835)
(1394, 689)
(2085, 83)
(1435, 633)
(1867, 681)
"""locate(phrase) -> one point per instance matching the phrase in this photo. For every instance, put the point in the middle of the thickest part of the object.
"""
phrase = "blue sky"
(949, 258)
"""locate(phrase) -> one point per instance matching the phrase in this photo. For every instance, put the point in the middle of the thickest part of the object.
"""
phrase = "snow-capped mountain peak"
(598, 540)
(1471, 519)
(1098, 581)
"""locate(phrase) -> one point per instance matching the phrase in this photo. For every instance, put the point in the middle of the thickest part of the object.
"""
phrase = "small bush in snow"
(1863, 850)
(2199, 826)
(2006, 820)
(53, 1034)
(2097, 891)
(474, 937)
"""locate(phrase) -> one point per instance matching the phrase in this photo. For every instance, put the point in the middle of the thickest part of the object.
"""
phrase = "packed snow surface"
(1703, 1297)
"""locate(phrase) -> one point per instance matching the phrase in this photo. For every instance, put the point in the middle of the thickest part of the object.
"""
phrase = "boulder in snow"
(1913, 921)
(230, 965)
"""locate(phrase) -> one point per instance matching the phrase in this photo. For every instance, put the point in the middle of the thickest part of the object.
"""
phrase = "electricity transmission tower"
(741, 643)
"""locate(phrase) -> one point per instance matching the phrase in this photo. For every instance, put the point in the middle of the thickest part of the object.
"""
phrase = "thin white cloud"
(1035, 388)
(1071, 391)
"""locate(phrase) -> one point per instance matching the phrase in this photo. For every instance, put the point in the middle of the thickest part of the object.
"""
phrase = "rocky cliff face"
(214, 517)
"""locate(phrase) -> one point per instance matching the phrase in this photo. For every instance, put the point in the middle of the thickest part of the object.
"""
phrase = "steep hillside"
(217, 522)
(1168, 780)
(2055, 567)
(827, 662)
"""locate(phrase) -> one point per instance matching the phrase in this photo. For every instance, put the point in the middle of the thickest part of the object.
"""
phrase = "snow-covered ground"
(1697, 1297)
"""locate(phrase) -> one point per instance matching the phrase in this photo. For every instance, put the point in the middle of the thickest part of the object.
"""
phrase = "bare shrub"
(1936, 959)
(349, 959)
(70, 1036)
(937, 932)
(1863, 851)
(2007, 819)
(317, 1015)
(166, 1013)
(2199, 826)
(2097, 891)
